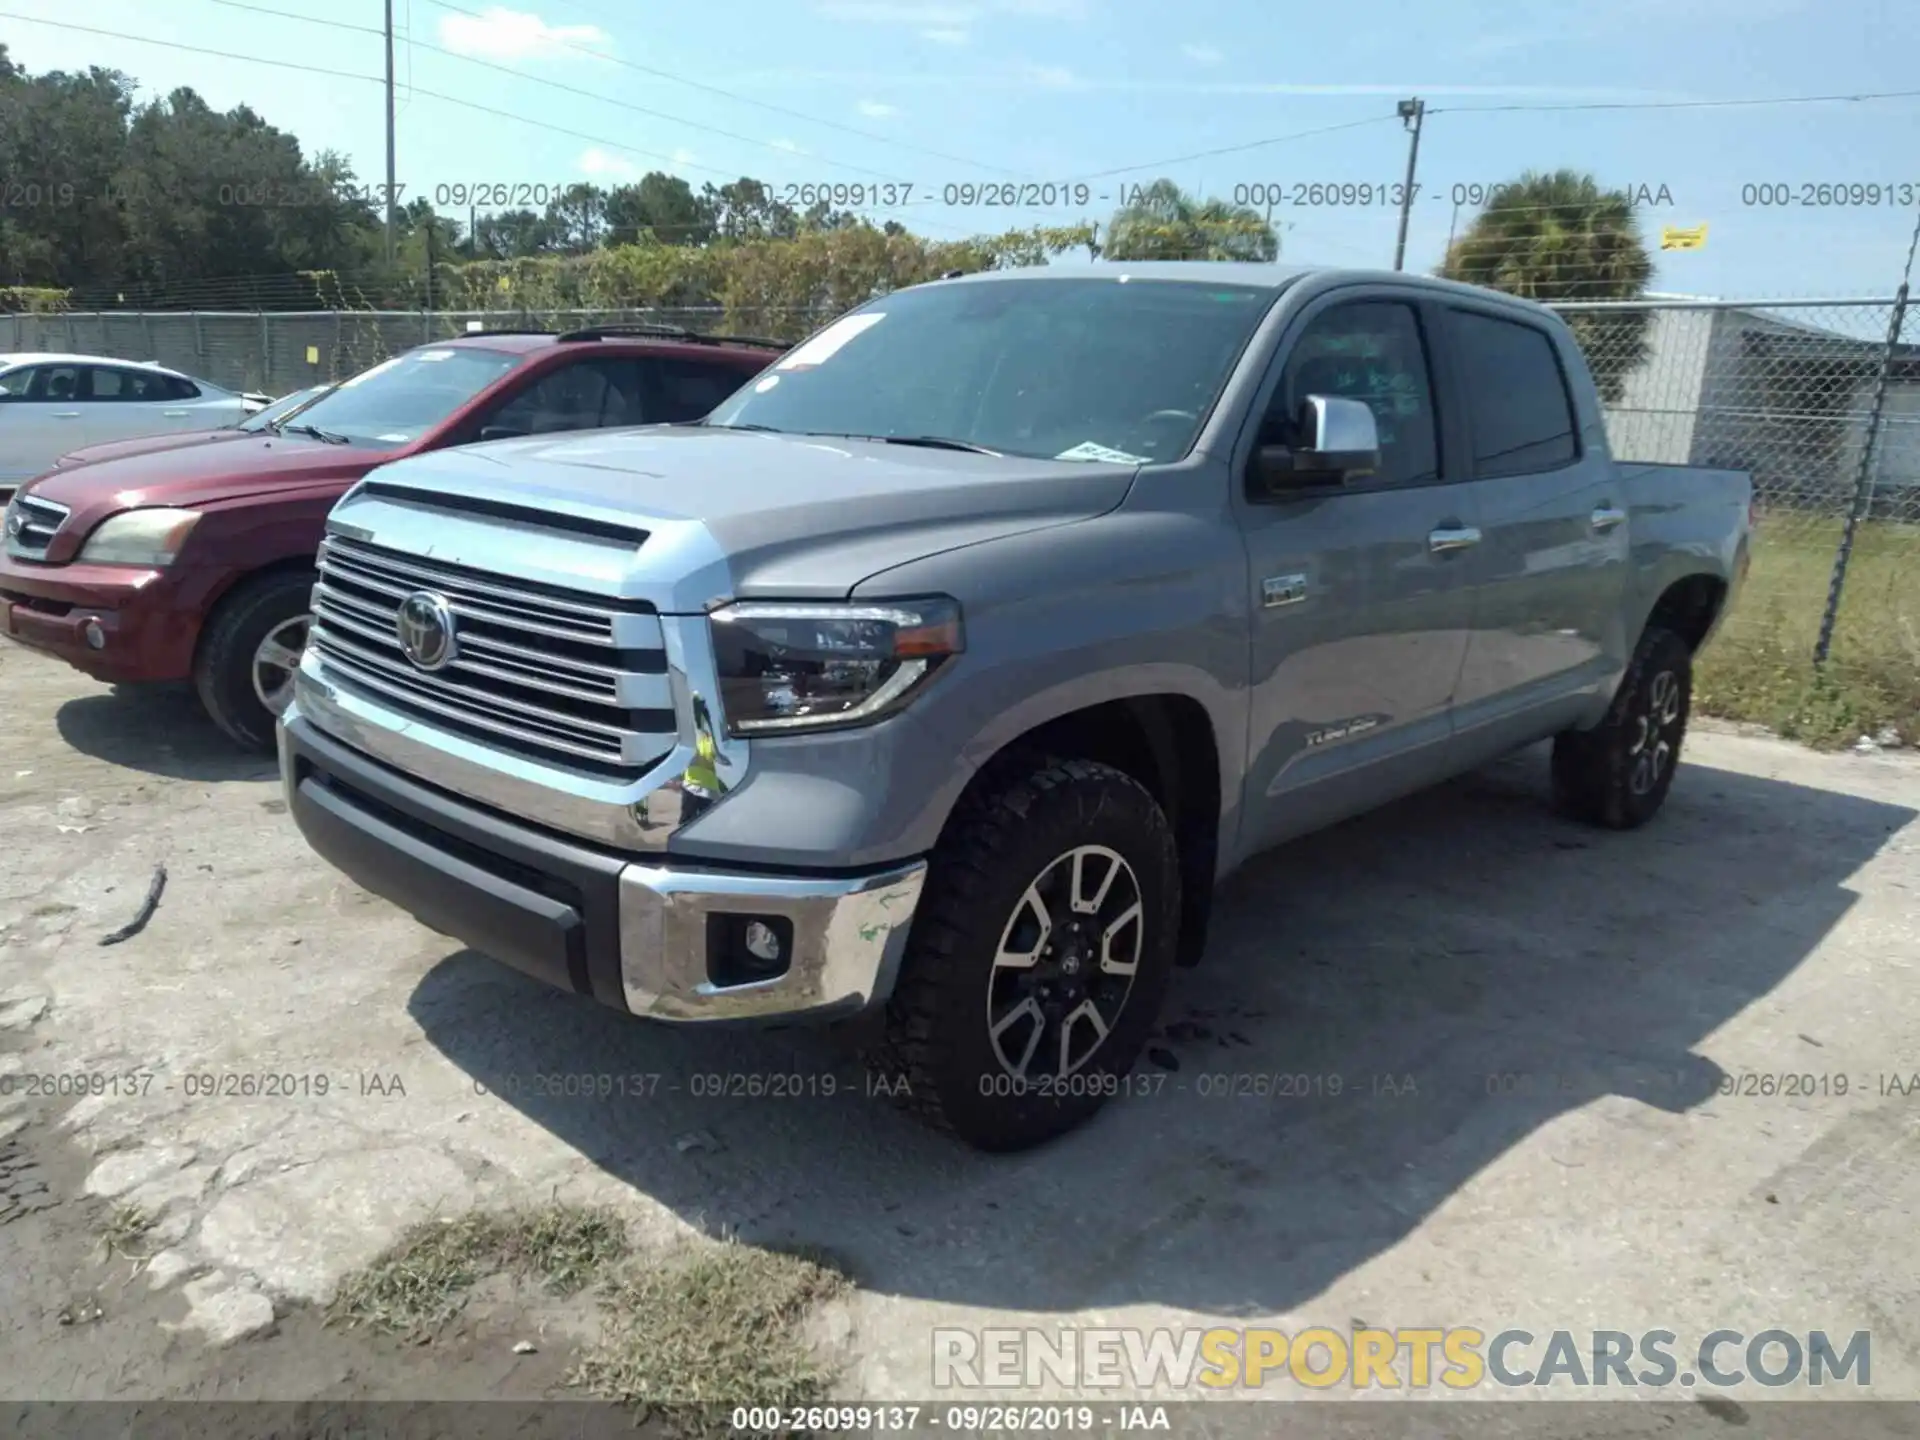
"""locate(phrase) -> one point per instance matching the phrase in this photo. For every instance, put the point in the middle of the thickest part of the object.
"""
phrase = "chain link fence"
(1818, 400)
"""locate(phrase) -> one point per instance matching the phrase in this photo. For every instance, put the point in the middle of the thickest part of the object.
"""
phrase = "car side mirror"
(1344, 445)
(502, 432)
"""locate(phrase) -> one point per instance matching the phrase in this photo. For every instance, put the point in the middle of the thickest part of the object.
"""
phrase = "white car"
(50, 404)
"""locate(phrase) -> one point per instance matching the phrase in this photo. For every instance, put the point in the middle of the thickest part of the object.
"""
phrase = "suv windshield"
(1120, 370)
(281, 409)
(398, 400)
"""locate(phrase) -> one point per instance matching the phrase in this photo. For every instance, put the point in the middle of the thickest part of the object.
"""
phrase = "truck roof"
(1232, 272)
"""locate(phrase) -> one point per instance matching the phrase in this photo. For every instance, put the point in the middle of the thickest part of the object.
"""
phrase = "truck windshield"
(398, 400)
(1121, 370)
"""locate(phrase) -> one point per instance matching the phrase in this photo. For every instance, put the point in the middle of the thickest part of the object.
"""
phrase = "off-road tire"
(998, 844)
(1598, 774)
(223, 666)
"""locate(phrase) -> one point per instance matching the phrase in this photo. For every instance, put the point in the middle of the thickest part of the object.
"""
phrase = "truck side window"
(1516, 396)
(1372, 351)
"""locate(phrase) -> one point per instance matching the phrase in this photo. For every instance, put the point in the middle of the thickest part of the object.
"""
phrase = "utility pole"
(390, 204)
(1412, 113)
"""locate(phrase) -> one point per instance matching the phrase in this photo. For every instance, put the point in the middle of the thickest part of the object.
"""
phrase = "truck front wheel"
(1618, 773)
(1039, 956)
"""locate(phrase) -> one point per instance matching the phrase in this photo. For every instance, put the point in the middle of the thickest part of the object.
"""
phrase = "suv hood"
(145, 444)
(196, 474)
(797, 516)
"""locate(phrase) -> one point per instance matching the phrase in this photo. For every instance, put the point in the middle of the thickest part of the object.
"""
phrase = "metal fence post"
(1863, 478)
(266, 349)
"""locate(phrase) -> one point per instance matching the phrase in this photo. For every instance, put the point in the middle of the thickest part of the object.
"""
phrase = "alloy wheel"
(1065, 964)
(274, 661)
(1656, 734)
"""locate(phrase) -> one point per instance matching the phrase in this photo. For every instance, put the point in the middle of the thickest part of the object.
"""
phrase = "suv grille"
(556, 676)
(38, 520)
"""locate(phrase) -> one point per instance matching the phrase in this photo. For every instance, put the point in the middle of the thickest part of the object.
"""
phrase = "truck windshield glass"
(1118, 370)
(398, 400)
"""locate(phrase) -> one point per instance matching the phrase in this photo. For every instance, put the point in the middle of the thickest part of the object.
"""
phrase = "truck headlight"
(814, 667)
(148, 538)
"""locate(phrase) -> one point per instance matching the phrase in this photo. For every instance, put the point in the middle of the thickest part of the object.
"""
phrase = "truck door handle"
(1606, 517)
(1456, 537)
(66, 414)
(173, 413)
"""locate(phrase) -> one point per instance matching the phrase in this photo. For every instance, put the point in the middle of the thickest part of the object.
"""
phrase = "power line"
(1233, 149)
(1860, 98)
(740, 99)
(419, 44)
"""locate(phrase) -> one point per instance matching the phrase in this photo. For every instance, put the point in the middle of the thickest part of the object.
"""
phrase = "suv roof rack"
(504, 330)
(671, 332)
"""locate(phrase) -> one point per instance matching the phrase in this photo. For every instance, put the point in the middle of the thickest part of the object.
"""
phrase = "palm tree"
(1162, 222)
(1559, 236)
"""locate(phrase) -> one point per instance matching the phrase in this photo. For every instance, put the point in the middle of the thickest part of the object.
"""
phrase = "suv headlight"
(148, 538)
(816, 667)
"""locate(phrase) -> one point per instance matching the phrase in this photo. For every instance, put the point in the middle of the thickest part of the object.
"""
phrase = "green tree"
(1162, 222)
(1561, 236)
(664, 204)
(747, 209)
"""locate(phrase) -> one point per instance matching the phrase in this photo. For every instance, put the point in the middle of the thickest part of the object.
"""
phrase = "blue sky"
(1100, 92)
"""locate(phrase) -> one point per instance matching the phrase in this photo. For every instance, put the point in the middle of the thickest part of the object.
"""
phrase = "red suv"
(198, 562)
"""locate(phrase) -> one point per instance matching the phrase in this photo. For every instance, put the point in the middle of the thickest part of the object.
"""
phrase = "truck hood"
(204, 474)
(795, 516)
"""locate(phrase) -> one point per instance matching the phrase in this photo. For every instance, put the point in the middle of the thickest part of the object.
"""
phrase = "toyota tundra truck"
(940, 675)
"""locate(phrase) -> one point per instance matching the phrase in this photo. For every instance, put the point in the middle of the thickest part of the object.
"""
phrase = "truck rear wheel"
(252, 645)
(1618, 773)
(1038, 958)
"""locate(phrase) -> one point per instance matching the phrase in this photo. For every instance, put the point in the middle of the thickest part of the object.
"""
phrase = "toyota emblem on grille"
(425, 628)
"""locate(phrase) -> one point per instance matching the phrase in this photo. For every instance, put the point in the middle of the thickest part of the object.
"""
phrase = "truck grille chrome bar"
(560, 678)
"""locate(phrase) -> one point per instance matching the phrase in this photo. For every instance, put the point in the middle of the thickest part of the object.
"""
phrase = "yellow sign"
(1683, 237)
(313, 354)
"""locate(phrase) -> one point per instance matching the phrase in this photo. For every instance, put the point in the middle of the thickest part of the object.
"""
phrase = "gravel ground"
(288, 1072)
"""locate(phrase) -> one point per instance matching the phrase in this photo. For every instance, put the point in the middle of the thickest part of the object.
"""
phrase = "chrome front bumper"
(641, 937)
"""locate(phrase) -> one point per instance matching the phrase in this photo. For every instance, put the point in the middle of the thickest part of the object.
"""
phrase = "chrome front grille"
(560, 677)
(38, 520)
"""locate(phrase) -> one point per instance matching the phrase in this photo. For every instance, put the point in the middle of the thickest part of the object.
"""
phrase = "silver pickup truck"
(943, 671)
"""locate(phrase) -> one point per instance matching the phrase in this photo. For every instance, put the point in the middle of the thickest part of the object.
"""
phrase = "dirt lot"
(1768, 924)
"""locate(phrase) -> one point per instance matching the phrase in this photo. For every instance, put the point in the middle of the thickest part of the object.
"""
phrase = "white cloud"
(1202, 54)
(684, 158)
(503, 34)
(877, 109)
(788, 146)
(946, 37)
(595, 161)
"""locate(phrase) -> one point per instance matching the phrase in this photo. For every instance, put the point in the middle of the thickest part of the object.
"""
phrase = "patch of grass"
(723, 1328)
(1760, 667)
(123, 1231)
(422, 1280)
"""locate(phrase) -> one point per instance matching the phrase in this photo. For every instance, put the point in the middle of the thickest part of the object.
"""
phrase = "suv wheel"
(1039, 957)
(1618, 773)
(252, 646)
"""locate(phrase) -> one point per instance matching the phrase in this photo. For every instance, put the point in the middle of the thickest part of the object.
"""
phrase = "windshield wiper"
(932, 442)
(315, 431)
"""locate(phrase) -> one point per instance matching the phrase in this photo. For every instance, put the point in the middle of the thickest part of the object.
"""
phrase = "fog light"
(747, 949)
(96, 637)
(762, 943)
